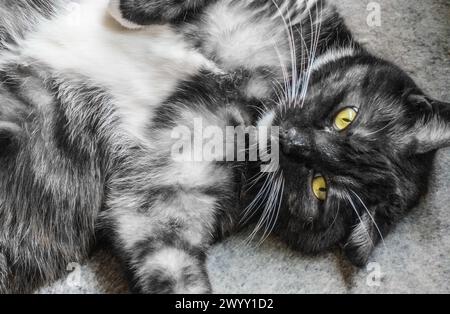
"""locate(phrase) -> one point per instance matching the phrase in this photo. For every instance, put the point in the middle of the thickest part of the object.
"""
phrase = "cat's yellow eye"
(319, 187)
(345, 118)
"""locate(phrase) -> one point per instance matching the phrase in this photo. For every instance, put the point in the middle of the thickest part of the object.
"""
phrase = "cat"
(373, 168)
(88, 109)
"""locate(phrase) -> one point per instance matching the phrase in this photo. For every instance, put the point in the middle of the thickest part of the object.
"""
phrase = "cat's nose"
(295, 141)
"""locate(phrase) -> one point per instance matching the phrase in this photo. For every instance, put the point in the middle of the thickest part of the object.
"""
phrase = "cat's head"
(355, 154)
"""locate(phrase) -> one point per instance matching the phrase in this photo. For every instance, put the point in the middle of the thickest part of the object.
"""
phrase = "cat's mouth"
(295, 143)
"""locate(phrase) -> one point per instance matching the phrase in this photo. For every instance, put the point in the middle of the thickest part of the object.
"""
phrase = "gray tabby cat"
(87, 110)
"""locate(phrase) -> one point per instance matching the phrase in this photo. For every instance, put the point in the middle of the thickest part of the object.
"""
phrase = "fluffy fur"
(87, 107)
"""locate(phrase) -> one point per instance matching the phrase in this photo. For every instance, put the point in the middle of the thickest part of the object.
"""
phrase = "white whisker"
(276, 210)
(349, 198)
(371, 217)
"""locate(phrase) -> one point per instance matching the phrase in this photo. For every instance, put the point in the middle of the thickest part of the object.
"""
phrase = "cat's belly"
(139, 68)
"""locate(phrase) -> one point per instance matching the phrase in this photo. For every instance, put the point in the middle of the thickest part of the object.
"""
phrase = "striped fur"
(86, 110)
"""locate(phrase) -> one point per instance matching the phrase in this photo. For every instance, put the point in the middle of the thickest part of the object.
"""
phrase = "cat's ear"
(363, 238)
(10, 134)
(432, 129)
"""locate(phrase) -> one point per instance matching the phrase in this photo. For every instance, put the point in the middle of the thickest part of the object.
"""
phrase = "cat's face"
(355, 154)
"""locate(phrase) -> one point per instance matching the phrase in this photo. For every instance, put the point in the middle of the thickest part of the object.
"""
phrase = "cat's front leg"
(163, 242)
(168, 263)
(169, 200)
(138, 13)
(163, 216)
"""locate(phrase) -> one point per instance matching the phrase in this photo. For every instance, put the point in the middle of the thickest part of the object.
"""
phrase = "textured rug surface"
(416, 255)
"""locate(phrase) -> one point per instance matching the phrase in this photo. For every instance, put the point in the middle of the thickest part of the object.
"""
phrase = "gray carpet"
(416, 255)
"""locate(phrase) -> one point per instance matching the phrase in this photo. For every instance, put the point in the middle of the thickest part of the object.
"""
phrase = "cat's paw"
(116, 12)
(172, 271)
(162, 283)
(138, 13)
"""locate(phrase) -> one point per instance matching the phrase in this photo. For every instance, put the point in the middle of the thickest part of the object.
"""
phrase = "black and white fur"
(87, 107)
